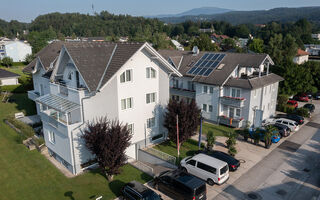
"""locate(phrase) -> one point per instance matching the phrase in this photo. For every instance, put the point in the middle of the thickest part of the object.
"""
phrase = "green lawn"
(188, 148)
(218, 130)
(27, 174)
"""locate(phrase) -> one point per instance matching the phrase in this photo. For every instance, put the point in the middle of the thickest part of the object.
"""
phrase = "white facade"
(16, 50)
(316, 36)
(139, 101)
(300, 59)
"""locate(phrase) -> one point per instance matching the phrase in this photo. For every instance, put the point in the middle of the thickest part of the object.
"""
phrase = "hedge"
(26, 130)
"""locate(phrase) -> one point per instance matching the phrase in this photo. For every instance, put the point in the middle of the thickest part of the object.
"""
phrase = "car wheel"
(210, 182)
(184, 170)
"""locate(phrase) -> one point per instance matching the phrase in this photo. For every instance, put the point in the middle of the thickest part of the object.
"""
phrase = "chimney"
(195, 50)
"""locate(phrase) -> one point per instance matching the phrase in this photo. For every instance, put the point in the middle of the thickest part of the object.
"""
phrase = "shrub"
(282, 99)
(231, 141)
(285, 108)
(26, 130)
(211, 139)
(304, 112)
(232, 151)
(7, 61)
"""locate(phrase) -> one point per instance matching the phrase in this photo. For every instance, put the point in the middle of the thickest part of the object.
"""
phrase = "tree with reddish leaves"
(189, 120)
(108, 140)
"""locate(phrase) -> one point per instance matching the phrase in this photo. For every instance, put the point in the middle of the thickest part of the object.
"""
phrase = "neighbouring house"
(177, 45)
(313, 49)
(86, 80)
(8, 78)
(15, 49)
(316, 36)
(206, 30)
(230, 88)
(242, 42)
(301, 57)
(218, 38)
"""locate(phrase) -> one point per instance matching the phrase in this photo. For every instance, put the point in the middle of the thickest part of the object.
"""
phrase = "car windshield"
(201, 190)
(223, 170)
(151, 195)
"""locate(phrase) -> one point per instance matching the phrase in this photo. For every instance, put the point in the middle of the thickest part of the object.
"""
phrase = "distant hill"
(255, 17)
(195, 11)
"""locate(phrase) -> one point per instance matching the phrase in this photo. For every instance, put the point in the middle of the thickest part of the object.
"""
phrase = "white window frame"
(150, 74)
(151, 122)
(151, 98)
(125, 76)
(204, 107)
(52, 137)
(205, 90)
(131, 128)
(210, 110)
(236, 92)
(125, 102)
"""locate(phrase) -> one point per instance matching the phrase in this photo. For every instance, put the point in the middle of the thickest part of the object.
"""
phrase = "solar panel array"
(206, 64)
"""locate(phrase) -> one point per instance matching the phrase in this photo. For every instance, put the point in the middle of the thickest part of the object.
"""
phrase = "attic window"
(220, 66)
(70, 75)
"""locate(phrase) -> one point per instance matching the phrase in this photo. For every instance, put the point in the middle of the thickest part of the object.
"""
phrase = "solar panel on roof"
(206, 64)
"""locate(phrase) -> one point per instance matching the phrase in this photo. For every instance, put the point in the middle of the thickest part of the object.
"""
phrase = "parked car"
(296, 118)
(310, 107)
(180, 185)
(292, 103)
(301, 97)
(317, 96)
(283, 130)
(232, 162)
(207, 168)
(135, 190)
(275, 135)
(294, 126)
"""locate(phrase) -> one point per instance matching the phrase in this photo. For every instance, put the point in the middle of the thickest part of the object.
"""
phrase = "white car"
(207, 168)
(293, 126)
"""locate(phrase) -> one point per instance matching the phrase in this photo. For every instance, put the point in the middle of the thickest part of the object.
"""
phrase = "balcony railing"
(182, 92)
(232, 101)
(233, 122)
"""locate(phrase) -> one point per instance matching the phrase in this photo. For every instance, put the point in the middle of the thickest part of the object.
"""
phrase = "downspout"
(83, 122)
(219, 100)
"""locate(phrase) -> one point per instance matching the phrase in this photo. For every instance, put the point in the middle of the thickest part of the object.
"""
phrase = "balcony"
(68, 92)
(33, 95)
(232, 101)
(183, 92)
(233, 122)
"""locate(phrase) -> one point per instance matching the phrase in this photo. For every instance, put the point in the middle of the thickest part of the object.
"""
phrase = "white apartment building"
(77, 82)
(15, 49)
(230, 88)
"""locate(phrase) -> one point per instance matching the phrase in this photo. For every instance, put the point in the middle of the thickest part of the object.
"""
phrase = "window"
(175, 97)
(157, 137)
(190, 85)
(131, 128)
(150, 72)
(52, 138)
(70, 75)
(204, 107)
(238, 112)
(151, 122)
(151, 97)
(211, 90)
(126, 76)
(191, 162)
(235, 92)
(210, 108)
(205, 89)
(126, 103)
(206, 167)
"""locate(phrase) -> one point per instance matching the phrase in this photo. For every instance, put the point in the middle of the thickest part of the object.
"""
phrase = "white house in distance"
(15, 49)
(81, 81)
(230, 88)
(8, 78)
(316, 36)
(301, 57)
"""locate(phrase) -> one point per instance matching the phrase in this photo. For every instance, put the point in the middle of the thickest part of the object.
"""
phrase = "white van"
(293, 126)
(207, 168)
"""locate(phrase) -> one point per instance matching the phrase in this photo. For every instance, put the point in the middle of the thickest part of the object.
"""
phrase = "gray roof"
(6, 74)
(254, 83)
(47, 55)
(92, 58)
(218, 76)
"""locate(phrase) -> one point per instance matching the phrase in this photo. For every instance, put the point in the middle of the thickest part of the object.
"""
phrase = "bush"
(231, 141)
(285, 108)
(304, 112)
(7, 61)
(211, 139)
(26, 130)
(282, 99)
(232, 151)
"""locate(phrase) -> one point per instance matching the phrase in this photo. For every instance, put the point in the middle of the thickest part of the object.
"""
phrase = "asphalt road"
(291, 171)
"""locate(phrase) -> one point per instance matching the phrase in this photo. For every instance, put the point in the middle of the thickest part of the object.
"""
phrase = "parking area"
(248, 154)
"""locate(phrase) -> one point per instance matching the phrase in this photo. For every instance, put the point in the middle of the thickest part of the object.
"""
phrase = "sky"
(27, 10)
